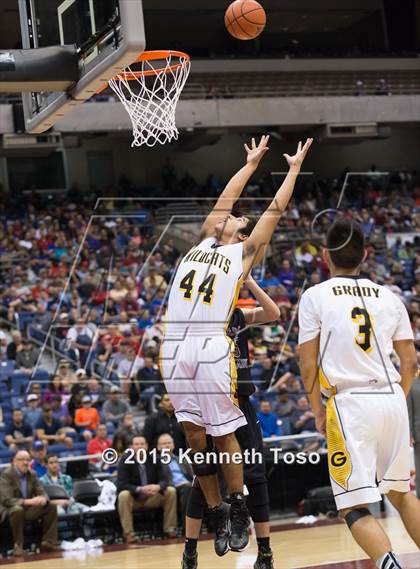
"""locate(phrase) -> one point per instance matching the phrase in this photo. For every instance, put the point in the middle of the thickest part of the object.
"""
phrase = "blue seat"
(81, 446)
(40, 375)
(57, 448)
(25, 319)
(5, 455)
(19, 382)
(4, 392)
(6, 404)
(18, 402)
(36, 334)
(6, 369)
(286, 426)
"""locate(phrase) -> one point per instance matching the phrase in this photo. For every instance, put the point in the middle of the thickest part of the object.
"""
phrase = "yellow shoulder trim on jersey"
(339, 462)
(234, 301)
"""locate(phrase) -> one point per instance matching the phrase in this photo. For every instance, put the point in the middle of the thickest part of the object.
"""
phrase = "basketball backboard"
(109, 35)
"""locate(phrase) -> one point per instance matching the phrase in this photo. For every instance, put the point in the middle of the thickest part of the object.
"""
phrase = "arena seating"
(124, 313)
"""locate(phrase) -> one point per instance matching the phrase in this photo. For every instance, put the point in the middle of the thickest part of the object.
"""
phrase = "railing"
(301, 84)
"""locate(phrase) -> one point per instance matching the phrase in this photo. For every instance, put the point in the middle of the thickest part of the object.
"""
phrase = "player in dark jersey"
(249, 437)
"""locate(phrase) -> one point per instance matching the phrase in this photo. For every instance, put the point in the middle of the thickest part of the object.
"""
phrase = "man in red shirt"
(99, 443)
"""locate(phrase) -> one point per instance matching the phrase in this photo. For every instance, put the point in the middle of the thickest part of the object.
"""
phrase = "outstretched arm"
(235, 186)
(257, 242)
(268, 311)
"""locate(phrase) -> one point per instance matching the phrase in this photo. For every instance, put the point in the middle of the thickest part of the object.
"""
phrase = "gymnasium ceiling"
(205, 19)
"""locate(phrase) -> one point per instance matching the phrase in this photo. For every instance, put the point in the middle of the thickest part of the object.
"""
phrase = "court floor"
(328, 546)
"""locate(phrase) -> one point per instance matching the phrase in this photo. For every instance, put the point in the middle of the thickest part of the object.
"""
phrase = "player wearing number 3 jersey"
(348, 329)
(197, 358)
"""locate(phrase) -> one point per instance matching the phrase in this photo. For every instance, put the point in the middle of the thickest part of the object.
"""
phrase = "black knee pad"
(206, 467)
(258, 502)
(196, 503)
(356, 515)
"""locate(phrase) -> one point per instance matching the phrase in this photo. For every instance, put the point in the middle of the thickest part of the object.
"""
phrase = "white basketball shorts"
(200, 377)
(368, 444)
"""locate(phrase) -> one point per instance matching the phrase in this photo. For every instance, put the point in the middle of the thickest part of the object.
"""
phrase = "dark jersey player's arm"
(268, 311)
(234, 188)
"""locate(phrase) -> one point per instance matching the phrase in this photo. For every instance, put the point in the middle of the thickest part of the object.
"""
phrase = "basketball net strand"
(151, 99)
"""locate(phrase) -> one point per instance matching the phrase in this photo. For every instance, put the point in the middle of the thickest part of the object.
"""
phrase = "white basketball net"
(150, 95)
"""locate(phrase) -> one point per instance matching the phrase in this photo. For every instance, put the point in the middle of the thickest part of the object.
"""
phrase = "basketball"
(245, 19)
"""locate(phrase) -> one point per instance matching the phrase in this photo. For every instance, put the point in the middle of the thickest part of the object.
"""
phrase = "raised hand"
(255, 153)
(297, 159)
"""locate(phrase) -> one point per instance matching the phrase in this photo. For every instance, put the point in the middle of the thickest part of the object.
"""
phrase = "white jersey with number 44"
(205, 287)
(357, 321)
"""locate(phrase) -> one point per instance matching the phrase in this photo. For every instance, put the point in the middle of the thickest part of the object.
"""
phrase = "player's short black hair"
(249, 227)
(346, 243)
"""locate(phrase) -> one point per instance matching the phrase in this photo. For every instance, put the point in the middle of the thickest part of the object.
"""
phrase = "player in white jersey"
(348, 329)
(197, 357)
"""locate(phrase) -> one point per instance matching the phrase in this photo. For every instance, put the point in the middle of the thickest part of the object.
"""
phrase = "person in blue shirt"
(269, 280)
(32, 412)
(18, 433)
(286, 275)
(268, 420)
(181, 473)
(50, 430)
(54, 476)
(39, 463)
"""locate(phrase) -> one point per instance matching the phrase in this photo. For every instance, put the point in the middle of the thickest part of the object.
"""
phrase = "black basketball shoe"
(264, 560)
(219, 518)
(239, 522)
(189, 562)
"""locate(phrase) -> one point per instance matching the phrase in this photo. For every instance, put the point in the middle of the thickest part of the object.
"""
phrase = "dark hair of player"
(346, 244)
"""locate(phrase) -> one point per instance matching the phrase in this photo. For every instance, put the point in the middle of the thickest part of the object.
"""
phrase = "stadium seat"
(24, 320)
(57, 448)
(86, 491)
(81, 446)
(5, 455)
(6, 369)
(56, 492)
(19, 382)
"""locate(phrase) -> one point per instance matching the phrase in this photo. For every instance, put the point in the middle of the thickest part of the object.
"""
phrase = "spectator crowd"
(81, 327)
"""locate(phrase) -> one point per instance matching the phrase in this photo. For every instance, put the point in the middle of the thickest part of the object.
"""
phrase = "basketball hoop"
(150, 94)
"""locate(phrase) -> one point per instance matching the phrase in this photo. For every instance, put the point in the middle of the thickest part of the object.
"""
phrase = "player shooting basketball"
(196, 355)
(348, 327)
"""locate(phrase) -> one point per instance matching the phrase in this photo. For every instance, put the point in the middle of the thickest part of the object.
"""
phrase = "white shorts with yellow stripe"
(368, 444)
(200, 377)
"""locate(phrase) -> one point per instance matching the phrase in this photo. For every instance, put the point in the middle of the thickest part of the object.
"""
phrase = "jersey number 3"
(206, 288)
(362, 317)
